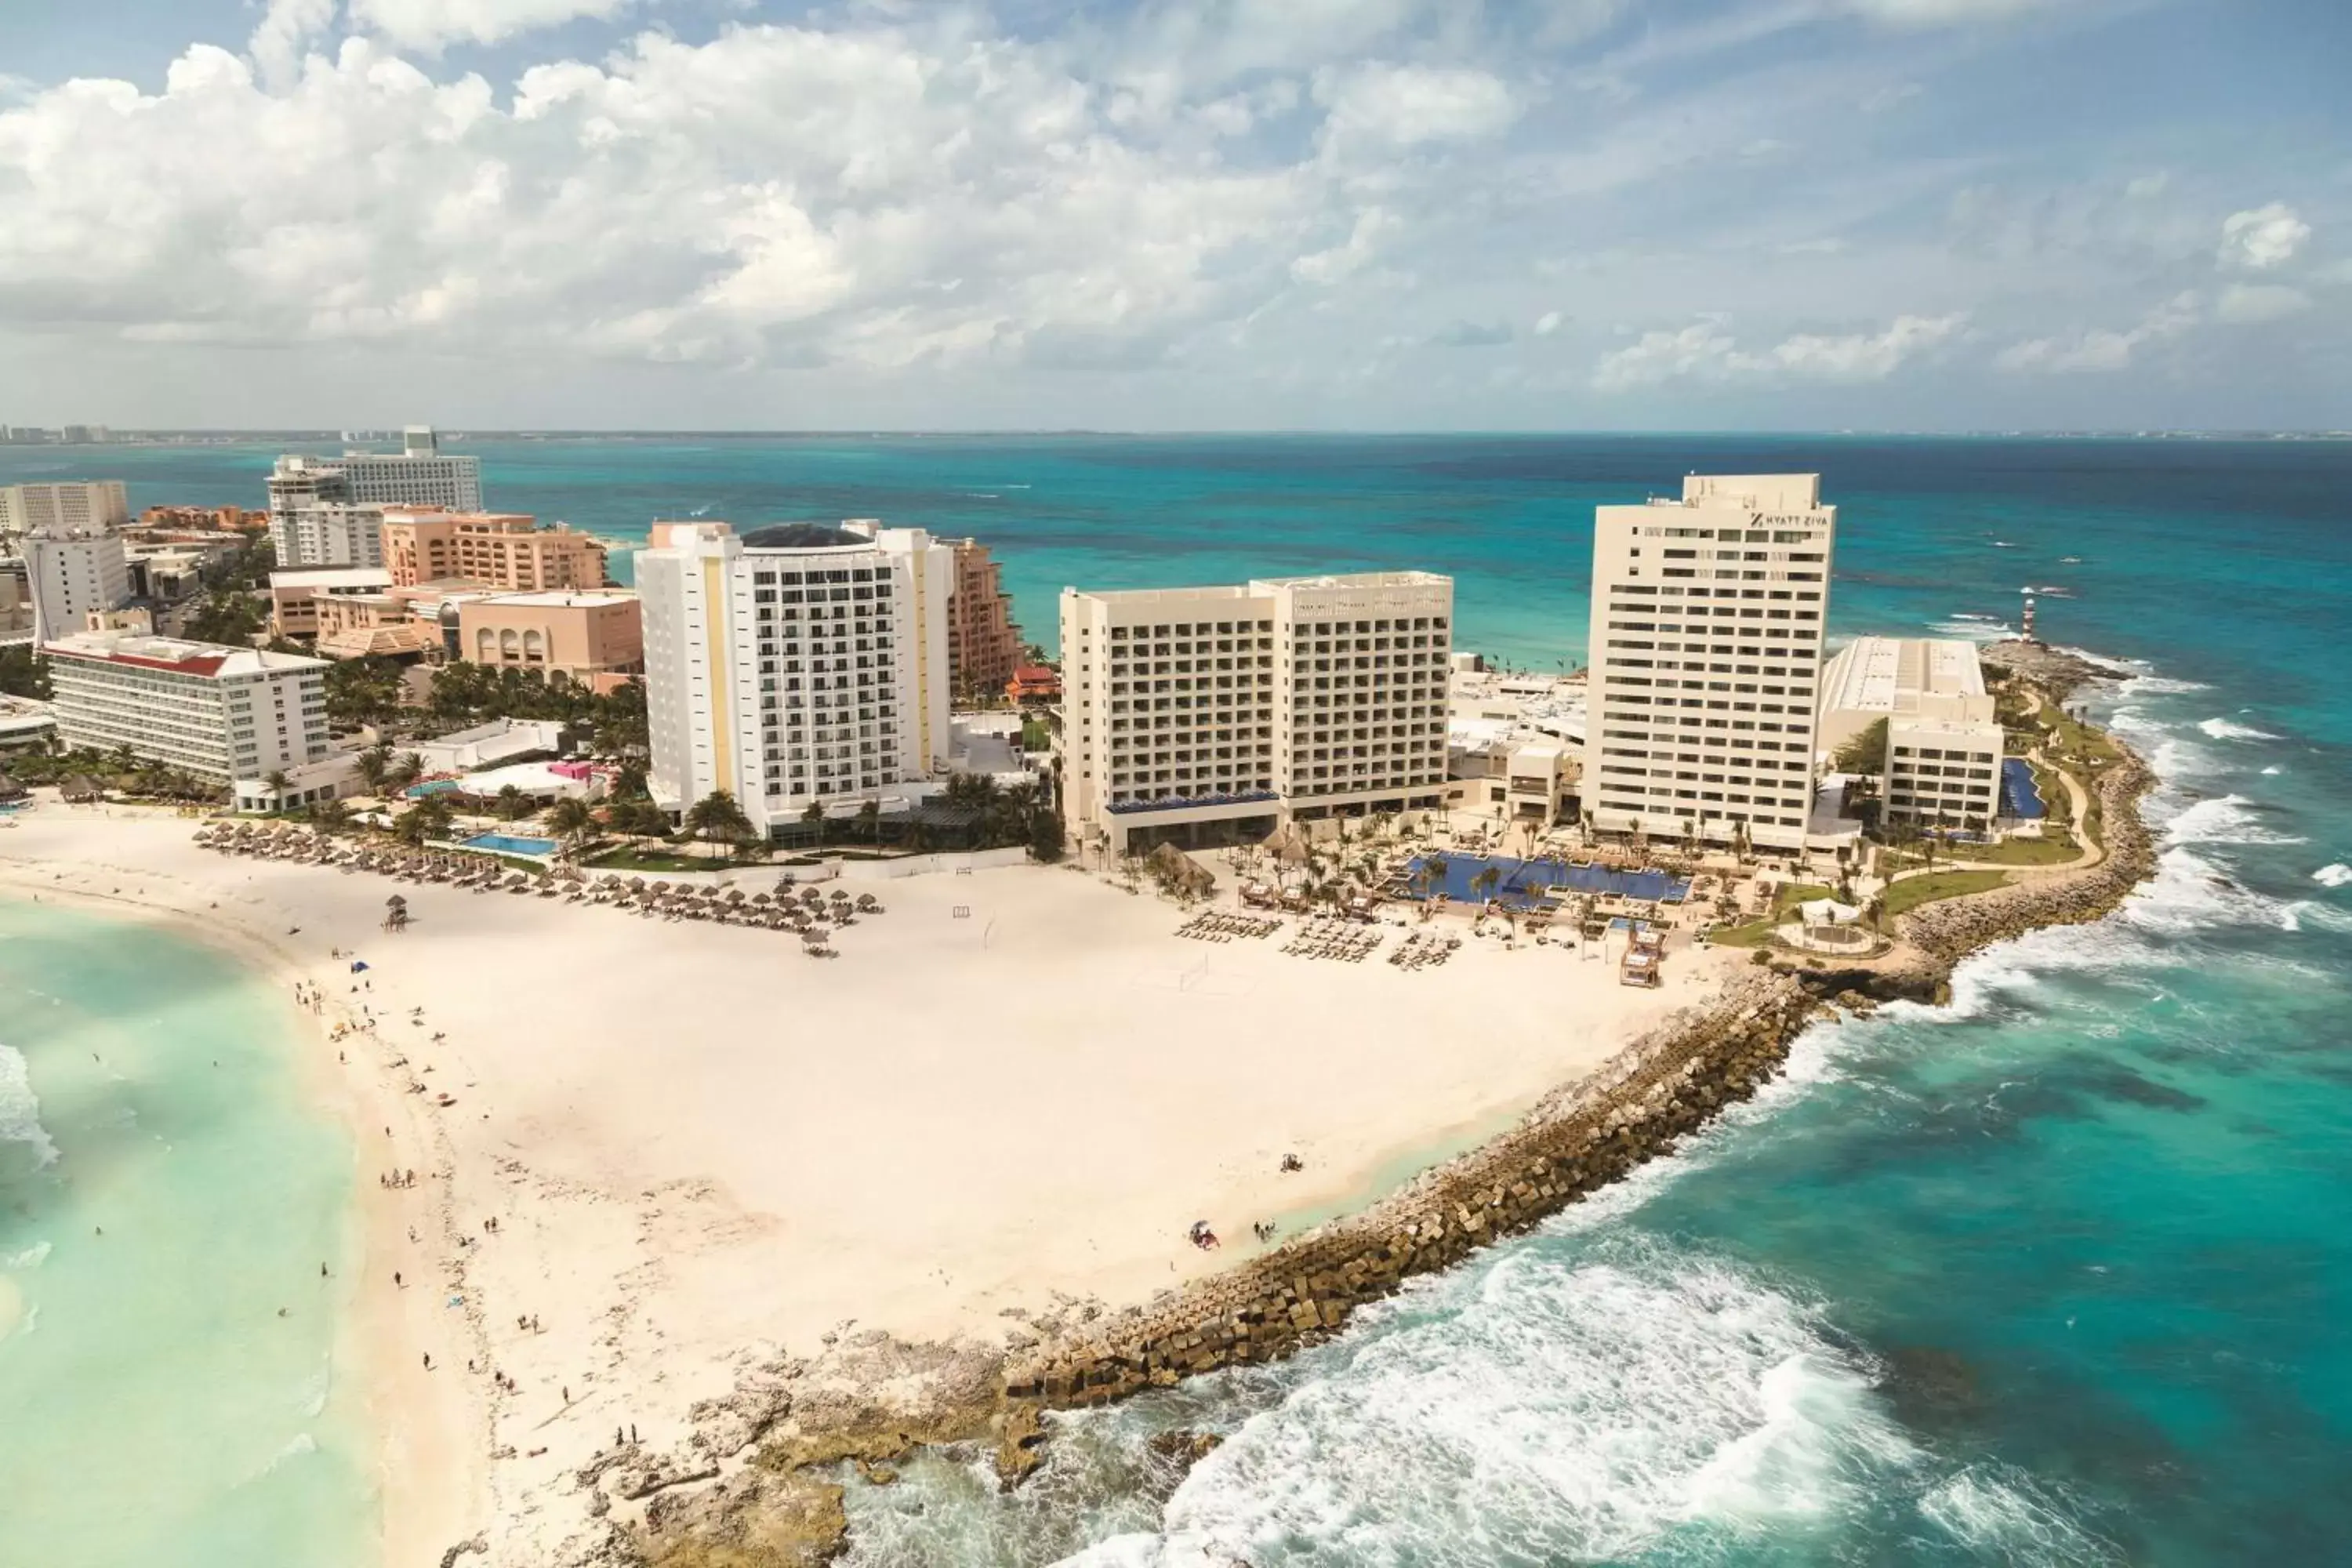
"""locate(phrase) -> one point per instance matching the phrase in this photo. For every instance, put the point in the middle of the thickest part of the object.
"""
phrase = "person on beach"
(396, 1280)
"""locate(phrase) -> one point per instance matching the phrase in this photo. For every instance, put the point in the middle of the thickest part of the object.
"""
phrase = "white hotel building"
(796, 664)
(1944, 742)
(64, 507)
(1207, 715)
(235, 714)
(1706, 640)
(328, 511)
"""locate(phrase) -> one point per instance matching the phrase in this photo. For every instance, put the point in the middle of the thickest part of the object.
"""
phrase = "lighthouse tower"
(2027, 634)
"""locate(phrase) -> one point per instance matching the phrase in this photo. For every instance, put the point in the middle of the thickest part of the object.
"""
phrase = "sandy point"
(672, 1151)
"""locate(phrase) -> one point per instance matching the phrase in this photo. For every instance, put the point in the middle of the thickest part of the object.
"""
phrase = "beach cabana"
(80, 789)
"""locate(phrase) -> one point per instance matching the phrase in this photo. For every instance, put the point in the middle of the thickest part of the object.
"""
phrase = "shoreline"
(410, 1425)
(739, 1469)
(663, 1121)
(1583, 1137)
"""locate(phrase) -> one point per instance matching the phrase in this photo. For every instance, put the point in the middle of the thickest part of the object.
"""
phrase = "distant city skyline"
(752, 215)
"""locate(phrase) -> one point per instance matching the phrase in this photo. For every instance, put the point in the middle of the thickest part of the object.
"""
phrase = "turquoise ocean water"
(165, 1189)
(2060, 1274)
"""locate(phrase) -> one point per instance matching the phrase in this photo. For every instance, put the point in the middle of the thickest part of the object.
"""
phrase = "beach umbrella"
(636, 884)
(736, 896)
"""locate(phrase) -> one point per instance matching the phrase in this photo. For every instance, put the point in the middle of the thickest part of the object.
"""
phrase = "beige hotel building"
(1706, 646)
(1202, 716)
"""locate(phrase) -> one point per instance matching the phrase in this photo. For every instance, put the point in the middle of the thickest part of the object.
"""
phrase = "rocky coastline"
(763, 1461)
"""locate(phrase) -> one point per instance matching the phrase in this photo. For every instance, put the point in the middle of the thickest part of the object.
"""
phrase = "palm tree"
(716, 816)
(569, 819)
(374, 766)
(1482, 886)
(869, 818)
(410, 768)
(511, 803)
(279, 784)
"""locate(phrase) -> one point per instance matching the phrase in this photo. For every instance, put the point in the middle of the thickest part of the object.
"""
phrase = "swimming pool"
(508, 843)
(2020, 798)
(1527, 884)
(436, 786)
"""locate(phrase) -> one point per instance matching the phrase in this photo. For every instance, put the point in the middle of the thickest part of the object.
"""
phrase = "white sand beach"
(699, 1146)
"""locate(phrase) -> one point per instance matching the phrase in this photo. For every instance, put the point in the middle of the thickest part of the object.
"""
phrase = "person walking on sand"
(428, 1361)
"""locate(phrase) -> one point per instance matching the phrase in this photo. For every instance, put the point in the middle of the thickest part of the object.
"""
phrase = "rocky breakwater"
(1947, 931)
(1639, 1106)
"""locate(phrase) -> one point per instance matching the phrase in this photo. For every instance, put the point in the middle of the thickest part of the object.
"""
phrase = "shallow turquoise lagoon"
(164, 1190)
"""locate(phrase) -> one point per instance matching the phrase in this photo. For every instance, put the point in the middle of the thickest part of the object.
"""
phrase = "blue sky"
(1231, 214)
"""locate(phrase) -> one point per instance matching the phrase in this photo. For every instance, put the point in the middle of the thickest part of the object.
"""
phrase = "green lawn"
(1912, 891)
(634, 859)
(1756, 933)
(2055, 850)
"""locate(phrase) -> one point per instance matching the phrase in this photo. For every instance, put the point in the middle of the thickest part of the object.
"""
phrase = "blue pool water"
(1526, 884)
(508, 843)
(2020, 798)
(432, 787)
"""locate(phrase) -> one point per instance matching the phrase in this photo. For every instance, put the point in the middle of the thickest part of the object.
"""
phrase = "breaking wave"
(2224, 819)
(2337, 875)
(2226, 729)
(20, 1111)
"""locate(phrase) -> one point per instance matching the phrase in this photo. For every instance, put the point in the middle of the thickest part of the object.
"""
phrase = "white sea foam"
(2225, 730)
(1975, 630)
(20, 1111)
(2159, 685)
(2224, 820)
(2335, 875)
(1557, 1411)
(295, 1448)
(30, 1257)
(2272, 770)
(2006, 1520)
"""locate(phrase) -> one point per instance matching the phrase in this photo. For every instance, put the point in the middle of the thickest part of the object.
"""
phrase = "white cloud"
(2263, 238)
(430, 24)
(1548, 323)
(2148, 185)
(285, 28)
(2245, 304)
(869, 194)
(1405, 105)
(2102, 350)
(1865, 356)
(1349, 257)
(1940, 13)
(1706, 351)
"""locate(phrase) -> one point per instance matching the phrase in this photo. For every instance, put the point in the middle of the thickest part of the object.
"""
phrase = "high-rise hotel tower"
(1706, 645)
(794, 664)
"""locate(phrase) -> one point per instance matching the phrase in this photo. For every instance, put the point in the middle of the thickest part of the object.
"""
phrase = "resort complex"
(1707, 614)
(1301, 811)
(233, 715)
(1207, 715)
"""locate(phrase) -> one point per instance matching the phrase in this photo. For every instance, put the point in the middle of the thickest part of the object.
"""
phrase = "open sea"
(2060, 1274)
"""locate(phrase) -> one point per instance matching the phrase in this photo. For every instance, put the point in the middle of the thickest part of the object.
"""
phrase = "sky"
(1227, 214)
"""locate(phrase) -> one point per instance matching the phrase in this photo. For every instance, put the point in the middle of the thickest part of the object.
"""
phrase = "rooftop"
(330, 577)
(201, 658)
(804, 536)
(560, 598)
(1875, 674)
